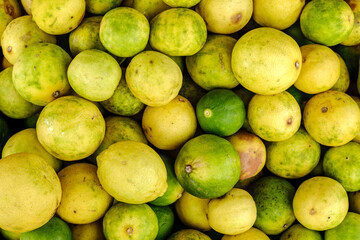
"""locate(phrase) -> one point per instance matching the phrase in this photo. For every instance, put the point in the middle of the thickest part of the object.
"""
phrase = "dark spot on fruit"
(181, 100)
(25, 46)
(235, 19)
(151, 61)
(297, 64)
(285, 225)
(9, 48)
(324, 109)
(347, 158)
(352, 5)
(71, 17)
(74, 211)
(312, 211)
(84, 179)
(70, 28)
(329, 217)
(188, 169)
(45, 177)
(338, 98)
(9, 8)
(289, 121)
(56, 94)
(136, 71)
(304, 60)
(221, 62)
(35, 67)
(129, 231)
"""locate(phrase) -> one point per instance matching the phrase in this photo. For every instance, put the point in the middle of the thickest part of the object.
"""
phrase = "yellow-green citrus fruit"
(10, 9)
(90, 231)
(129, 39)
(94, 75)
(252, 233)
(118, 171)
(323, 113)
(211, 67)
(184, 234)
(178, 32)
(225, 17)
(100, 7)
(19, 34)
(299, 232)
(150, 8)
(328, 22)
(166, 219)
(154, 78)
(349, 228)
(343, 82)
(181, 3)
(198, 164)
(70, 128)
(266, 60)
(274, 117)
(311, 203)
(353, 38)
(39, 73)
(31, 192)
(58, 17)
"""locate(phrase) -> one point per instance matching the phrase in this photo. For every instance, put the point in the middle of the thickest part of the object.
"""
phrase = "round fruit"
(70, 128)
(169, 126)
(220, 112)
(31, 192)
(149, 8)
(178, 32)
(252, 233)
(274, 117)
(266, 60)
(354, 201)
(295, 157)
(188, 234)
(100, 7)
(299, 232)
(120, 40)
(323, 113)
(154, 78)
(130, 221)
(328, 22)
(211, 67)
(119, 167)
(11, 9)
(166, 218)
(181, 3)
(233, 213)
(90, 231)
(207, 166)
(320, 203)
(348, 229)
(273, 197)
(343, 82)
(353, 38)
(55, 228)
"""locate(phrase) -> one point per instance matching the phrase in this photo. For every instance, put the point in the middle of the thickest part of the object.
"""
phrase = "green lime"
(207, 166)
(130, 221)
(299, 232)
(220, 112)
(55, 228)
(165, 216)
(348, 229)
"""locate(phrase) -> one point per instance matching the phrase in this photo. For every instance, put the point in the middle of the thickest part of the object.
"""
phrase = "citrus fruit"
(277, 14)
(181, 3)
(39, 73)
(118, 171)
(100, 7)
(123, 102)
(252, 233)
(11, 9)
(174, 190)
(118, 29)
(252, 153)
(190, 90)
(26, 141)
(225, 17)
(273, 197)
(320, 69)
(188, 234)
(31, 192)
(11, 103)
(59, 16)
(19, 34)
(94, 75)
(130, 221)
(324, 111)
(299, 232)
(55, 228)
(274, 117)
(211, 67)
(169, 126)
(70, 128)
(165, 217)
(83, 198)
(295, 32)
(233, 213)
(266, 60)
(320, 203)
(343, 82)
(207, 166)
(150, 8)
(348, 229)
(178, 32)
(192, 211)
(220, 112)
(90, 231)
(294, 157)
(119, 128)
(353, 38)
(154, 78)
(342, 163)
(10, 235)
(327, 22)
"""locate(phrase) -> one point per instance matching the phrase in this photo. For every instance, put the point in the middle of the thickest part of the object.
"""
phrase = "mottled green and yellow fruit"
(70, 128)
(100, 7)
(266, 61)
(354, 38)
(90, 231)
(9, 10)
(31, 192)
(299, 232)
(252, 233)
(324, 111)
(349, 228)
(343, 82)
(189, 234)
(39, 73)
(58, 17)
(150, 8)
(178, 32)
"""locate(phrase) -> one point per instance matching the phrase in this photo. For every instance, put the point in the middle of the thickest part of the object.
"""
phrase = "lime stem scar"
(188, 168)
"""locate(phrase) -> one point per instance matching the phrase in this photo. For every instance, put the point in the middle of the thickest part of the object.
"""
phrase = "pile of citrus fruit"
(180, 119)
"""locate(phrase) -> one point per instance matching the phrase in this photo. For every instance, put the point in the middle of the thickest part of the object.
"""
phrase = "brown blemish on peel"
(56, 94)
(130, 231)
(235, 19)
(324, 109)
